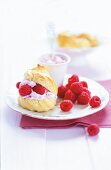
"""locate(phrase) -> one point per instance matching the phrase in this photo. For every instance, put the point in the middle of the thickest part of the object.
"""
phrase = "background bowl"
(78, 55)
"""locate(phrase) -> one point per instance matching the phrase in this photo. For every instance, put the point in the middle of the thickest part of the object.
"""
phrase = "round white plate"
(77, 111)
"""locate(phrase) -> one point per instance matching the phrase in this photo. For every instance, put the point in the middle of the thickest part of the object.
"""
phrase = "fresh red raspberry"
(87, 91)
(66, 105)
(17, 85)
(61, 91)
(67, 87)
(39, 89)
(84, 84)
(69, 95)
(95, 101)
(25, 90)
(93, 129)
(73, 78)
(83, 98)
(76, 87)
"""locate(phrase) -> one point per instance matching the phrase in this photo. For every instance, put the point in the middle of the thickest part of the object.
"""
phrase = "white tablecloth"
(23, 41)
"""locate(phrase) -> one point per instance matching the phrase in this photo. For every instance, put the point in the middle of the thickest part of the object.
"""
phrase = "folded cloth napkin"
(102, 118)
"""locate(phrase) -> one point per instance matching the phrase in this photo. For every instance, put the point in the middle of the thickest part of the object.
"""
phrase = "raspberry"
(95, 101)
(73, 78)
(67, 87)
(39, 89)
(66, 105)
(69, 95)
(76, 87)
(25, 90)
(83, 98)
(84, 84)
(87, 91)
(93, 129)
(61, 91)
(17, 85)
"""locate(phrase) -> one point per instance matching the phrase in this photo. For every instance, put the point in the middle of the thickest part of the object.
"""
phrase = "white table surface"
(22, 35)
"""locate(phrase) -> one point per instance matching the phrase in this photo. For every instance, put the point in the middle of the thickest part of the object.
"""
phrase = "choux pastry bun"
(38, 90)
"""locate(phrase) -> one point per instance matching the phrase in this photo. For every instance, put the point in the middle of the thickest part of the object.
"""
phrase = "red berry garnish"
(73, 78)
(93, 129)
(61, 91)
(87, 91)
(17, 85)
(69, 95)
(95, 101)
(67, 86)
(76, 87)
(83, 98)
(39, 89)
(84, 84)
(25, 90)
(66, 105)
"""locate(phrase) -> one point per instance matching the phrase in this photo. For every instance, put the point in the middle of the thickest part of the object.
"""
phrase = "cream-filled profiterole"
(38, 90)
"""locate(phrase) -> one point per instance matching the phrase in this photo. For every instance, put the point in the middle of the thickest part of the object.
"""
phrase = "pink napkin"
(102, 118)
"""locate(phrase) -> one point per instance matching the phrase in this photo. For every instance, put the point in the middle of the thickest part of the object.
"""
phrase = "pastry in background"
(93, 40)
(67, 40)
(38, 91)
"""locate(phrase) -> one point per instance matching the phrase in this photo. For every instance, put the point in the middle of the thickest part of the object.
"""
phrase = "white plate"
(77, 111)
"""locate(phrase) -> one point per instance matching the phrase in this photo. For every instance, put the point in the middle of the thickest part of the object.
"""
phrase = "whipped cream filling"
(46, 95)
(30, 83)
(34, 95)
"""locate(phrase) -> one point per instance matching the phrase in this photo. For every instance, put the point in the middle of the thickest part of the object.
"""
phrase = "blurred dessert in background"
(56, 64)
(56, 59)
(83, 40)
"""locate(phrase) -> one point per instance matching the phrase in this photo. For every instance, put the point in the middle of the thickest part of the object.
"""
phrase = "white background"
(23, 23)
(22, 40)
